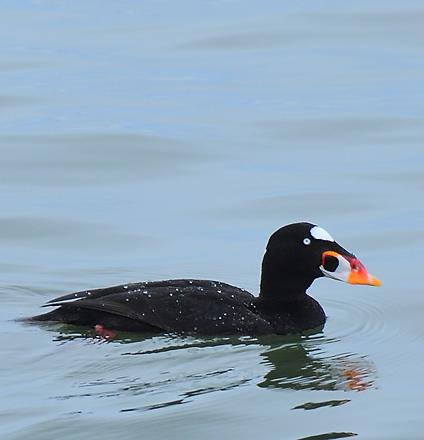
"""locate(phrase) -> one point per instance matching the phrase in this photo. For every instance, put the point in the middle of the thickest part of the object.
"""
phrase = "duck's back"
(190, 306)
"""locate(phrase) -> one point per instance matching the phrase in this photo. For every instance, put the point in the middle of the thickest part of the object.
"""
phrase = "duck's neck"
(281, 284)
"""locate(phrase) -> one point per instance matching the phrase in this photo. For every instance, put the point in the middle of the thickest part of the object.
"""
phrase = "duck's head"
(299, 253)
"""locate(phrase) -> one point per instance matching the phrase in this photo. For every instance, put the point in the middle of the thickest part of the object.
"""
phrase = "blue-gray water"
(159, 139)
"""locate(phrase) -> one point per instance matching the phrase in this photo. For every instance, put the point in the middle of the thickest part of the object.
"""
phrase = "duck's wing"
(195, 306)
(94, 293)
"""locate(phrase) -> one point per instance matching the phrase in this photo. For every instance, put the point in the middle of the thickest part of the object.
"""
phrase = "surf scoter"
(295, 256)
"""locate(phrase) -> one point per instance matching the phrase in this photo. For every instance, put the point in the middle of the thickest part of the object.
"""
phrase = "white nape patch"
(321, 234)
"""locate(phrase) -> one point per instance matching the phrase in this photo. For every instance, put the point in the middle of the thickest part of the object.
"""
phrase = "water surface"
(152, 140)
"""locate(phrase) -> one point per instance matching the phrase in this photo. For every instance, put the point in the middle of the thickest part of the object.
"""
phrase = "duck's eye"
(306, 241)
(330, 263)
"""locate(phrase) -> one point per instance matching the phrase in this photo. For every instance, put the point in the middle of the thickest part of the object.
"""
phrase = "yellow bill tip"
(374, 281)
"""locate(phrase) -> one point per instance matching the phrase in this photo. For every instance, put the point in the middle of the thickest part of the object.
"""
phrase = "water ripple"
(359, 318)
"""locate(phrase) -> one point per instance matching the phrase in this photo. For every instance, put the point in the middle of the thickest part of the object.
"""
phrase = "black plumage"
(291, 263)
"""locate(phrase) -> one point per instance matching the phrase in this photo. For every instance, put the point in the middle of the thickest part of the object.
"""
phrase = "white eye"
(306, 241)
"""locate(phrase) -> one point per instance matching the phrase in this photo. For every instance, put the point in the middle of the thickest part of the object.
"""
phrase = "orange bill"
(346, 268)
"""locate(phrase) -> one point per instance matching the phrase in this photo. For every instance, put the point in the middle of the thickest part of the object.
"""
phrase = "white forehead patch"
(321, 234)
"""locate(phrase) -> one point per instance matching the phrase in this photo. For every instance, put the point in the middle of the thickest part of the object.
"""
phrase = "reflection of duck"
(296, 255)
(293, 362)
(298, 365)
